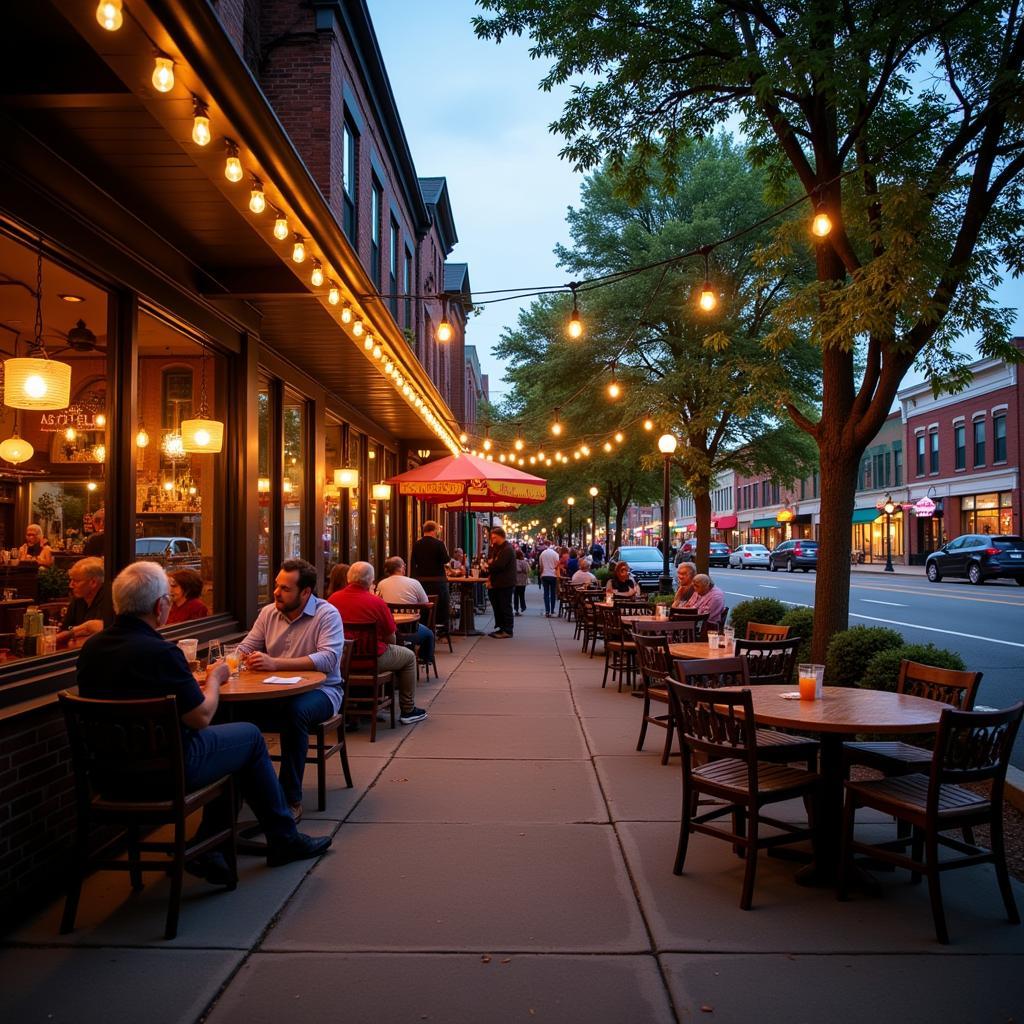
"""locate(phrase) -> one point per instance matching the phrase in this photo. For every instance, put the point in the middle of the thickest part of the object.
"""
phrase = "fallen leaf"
(704, 1008)
(507, 960)
(485, 959)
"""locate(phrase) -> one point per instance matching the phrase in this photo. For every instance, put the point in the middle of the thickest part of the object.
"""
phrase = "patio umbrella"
(473, 481)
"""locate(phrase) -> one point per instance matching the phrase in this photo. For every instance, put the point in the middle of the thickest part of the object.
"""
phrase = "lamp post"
(667, 446)
(570, 502)
(593, 516)
(558, 523)
(888, 508)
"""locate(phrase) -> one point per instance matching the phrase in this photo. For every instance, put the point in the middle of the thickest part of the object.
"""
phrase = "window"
(987, 514)
(293, 482)
(919, 440)
(897, 465)
(376, 206)
(407, 287)
(765, 493)
(979, 443)
(815, 481)
(933, 451)
(356, 447)
(393, 270)
(349, 139)
(265, 509)
(960, 446)
(775, 494)
(999, 437)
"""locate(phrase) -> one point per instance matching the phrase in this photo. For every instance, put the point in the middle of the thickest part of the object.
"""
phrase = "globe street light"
(558, 523)
(888, 508)
(593, 516)
(667, 446)
(570, 502)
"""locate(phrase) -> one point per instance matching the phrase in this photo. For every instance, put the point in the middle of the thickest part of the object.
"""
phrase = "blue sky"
(477, 117)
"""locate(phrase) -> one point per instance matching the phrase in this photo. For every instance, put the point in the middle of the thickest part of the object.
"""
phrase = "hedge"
(801, 624)
(883, 670)
(767, 610)
(850, 651)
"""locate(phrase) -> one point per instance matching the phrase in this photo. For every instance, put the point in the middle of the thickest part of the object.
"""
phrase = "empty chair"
(130, 776)
(720, 726)
(680, 632)
(367, 690)
(654, 661)
(761, 631)
(971, 747)
(618, 650)
(770, 661)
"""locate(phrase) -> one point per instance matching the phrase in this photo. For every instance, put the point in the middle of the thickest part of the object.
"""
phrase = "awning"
(724, 523)
(690, 526)
(768, 523)
(865, 515)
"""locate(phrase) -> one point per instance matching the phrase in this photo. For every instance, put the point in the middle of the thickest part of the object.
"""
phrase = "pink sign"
(924, 508)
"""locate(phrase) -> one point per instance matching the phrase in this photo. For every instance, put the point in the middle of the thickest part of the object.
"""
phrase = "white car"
(748, 556)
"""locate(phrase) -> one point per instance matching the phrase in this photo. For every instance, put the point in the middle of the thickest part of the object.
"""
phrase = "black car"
(794, 554)
(645, 564)
(979, 557)
(717, 555)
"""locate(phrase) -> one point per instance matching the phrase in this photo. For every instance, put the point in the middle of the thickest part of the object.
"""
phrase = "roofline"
(446, 227)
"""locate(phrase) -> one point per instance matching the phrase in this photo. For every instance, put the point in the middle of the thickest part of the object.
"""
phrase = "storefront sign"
(785, 516)
(924, 508)
(76, 416)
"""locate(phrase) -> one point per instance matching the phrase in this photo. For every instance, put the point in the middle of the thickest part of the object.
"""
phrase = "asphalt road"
(985, 624)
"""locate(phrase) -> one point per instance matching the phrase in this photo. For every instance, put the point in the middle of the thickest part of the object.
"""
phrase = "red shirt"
(357, 604)
(193, 609)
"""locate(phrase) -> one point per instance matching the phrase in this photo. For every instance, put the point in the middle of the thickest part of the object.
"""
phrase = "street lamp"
(570, 502)
(593, 516)
(558, 523)
(888, 508)
(667, 446)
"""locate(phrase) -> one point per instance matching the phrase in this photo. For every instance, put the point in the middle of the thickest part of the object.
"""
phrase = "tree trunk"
(620, 514)
(702, 504)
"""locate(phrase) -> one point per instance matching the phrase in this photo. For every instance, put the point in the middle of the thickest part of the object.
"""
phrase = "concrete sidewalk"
(509, 859)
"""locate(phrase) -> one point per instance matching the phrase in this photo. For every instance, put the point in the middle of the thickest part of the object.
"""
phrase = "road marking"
(933, 629)
(891, 604)
(767, 586)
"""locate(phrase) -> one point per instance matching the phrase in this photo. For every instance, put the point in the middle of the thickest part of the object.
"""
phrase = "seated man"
(708, 600)
(356, 603)
(397, 588)
(91, 608)
(130, 661)
(583, 577)
(298, 632)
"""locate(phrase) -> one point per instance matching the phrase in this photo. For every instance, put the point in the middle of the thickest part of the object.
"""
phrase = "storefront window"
(987, 513)
(57, 484)
(356, 446)
(333, 495)
(374, 475)
(178, 507)
(293, 485)
(265, 514)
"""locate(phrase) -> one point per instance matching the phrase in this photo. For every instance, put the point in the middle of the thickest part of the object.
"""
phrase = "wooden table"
(699, 650)
(843, 712)
(405, 618)
(467, 621)
(250, 686)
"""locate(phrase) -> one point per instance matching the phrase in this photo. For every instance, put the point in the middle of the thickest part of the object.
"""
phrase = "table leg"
(828, 816)
(467, 625)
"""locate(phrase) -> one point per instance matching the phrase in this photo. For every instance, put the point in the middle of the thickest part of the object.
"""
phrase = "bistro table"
(405, 618)
(250, 685)
(466, 586)
(699, 650)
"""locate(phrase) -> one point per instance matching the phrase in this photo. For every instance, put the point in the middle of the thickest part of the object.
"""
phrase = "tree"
(902, 120)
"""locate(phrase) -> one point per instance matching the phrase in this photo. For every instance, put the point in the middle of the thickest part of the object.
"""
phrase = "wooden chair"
(971, 747)
(762, 631)
(721, 727)
(716, 673)
(700, 621)
(771, 661)
(619, 653)
(406, 635)
(631, 606)
(654, 661)
(682, 632)
(322, 748)
(592, 630)
(895, 757)
(367, 690)
(129, 774)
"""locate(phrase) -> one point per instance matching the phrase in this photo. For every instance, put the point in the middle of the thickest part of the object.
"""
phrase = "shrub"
(850, 651)
(602, 574)
(768, 610)
(656, 599)
(883, 669)
(53, 583)
(801, 624)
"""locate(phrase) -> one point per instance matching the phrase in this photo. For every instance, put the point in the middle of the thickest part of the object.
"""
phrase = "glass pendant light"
(16, 449)
(202, 435)
(163, 73)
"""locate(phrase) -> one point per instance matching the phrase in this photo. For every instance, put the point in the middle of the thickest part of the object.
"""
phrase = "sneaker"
(495, 633)
(413, 715)
(213, 868)
(297, 847)
(502, 635)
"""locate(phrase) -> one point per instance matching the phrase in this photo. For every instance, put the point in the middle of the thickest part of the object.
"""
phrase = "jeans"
(501, 602)
(519, 598)
(292, 719)
(424, 640)
(239, 749)
(549, 583)
(402, 662)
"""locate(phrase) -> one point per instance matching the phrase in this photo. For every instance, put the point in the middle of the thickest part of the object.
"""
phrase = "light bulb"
(233, 169)
(540, 455)
(444, 331)
(576, 454)
(316, 277)
(618, 437)
(547, 462)
(91, 485)
(334, 296)
(281, 227)
(357, 328)
(168, 485)
(109, 15)
(821, 226)
(201, 130)
(614, 390)
(346, 314)
(501, 457)
(378, 352)
(70, 434)
(257, 200)
(35, 386)
(141, 438)
(533, 460)
(556, 428)
(298, 250)
(585, 450)
(389, 367)
(708, 299)
(607, 446)
(368, 344)
(463, 438)
(519, 444)
(101, 419)
(487, 444)
(163, 74)
(648, 424)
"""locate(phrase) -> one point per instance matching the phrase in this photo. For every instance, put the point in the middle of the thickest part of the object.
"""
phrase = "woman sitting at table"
(36, 548)
(622, 583)
(708, 600)
(185, 586)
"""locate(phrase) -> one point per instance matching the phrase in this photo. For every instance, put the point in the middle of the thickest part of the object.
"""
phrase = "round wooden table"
(405, 618)
(699, 650)
(250, 685)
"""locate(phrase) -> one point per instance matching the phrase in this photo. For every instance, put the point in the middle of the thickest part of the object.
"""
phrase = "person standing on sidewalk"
(428, 562)
(548, 567)
(522, 578)
(501, 581)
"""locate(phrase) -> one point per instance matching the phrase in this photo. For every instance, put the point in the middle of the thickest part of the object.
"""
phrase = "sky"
(474, 114)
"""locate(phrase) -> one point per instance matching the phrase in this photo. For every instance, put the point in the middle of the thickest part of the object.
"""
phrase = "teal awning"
(865, 515)
(764, 524)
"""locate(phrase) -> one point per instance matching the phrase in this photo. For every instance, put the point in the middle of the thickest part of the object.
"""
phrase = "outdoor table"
(465, 586)
(249, 685)
(405, 618)
(699, 649)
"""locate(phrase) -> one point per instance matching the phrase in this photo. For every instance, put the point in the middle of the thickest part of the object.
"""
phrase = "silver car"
(749, 556)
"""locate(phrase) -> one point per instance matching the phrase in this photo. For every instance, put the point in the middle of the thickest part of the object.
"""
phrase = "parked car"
(170, 552)
(979, 557)
(717, 555)
(794, 554)
(749, 556)
(645, 563)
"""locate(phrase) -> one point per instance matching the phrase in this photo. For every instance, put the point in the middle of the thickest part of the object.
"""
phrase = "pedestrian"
(522, 578)
(622, 583)
(548, 567)
(501, 582)
(428, 562)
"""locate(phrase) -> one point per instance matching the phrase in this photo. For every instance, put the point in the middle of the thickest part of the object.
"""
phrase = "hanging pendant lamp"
(36, 381)
(16, 449)
(202, 435)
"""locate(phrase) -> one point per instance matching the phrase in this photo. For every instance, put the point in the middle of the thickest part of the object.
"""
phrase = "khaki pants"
(402, 662)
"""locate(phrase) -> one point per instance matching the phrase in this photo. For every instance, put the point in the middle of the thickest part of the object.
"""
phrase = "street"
(985, 625)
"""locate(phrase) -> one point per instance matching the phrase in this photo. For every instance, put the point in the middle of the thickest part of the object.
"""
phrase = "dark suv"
(645, 564)
(794, 554)
(979, 558)
(717, 555)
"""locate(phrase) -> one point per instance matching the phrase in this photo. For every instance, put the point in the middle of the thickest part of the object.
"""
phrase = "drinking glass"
(190, 648)
(214, 652)
(712, 639)
(49, 639)
(232, 658)
(730, 638)
(811, 677)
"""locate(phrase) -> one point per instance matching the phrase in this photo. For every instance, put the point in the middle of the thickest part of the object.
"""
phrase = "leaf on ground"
(485, 959)
(704, 1008)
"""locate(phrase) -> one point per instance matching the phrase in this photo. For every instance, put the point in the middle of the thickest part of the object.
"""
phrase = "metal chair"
(129, 774)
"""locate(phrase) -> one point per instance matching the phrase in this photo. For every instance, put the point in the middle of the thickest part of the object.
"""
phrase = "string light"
(614, 389)
(575, 326)
(316, 277)
(821, 226)
(607, 446)
(619, 438)
(708, 299)
(257, 199)
(200, 123)
(648, 424)
(368, 343)
(556, 427)
(163, 73)
(280, 226)
(298, 248)
(334, 296)
(142, 437)
(233, 166)
(357, 328)
(346, 314)
(444, 328)
(463, 438)
(108, 14)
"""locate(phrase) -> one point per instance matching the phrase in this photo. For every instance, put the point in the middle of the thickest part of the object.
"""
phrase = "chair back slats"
(676, 632)
(763, 631)
(712, 673)
(611, 627)
(973, 746)
(722, 725)
(364, 647)
(946, 685)
(653, 654)
(699, 619)
(770, 661)
(631, 607)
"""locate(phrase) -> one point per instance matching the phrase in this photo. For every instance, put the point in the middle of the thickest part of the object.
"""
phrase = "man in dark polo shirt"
(91, 608)
(130, 661)
(427, 563)
(501, 582)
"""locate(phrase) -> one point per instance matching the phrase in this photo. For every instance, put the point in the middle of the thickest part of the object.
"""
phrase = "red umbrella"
(473, 481)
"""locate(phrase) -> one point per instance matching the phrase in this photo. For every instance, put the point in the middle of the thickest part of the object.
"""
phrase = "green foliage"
(53, 583)
(603, 574)
(768, 610)
(801, 624)
(882, 672)
(656, 599)
(850, 651)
